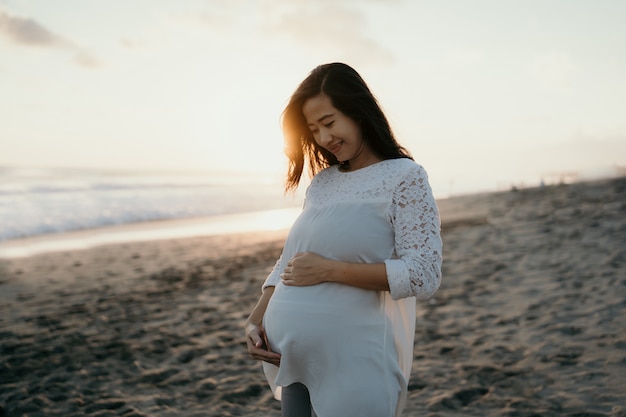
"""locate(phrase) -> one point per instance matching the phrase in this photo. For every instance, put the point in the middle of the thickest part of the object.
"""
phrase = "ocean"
(49, 202)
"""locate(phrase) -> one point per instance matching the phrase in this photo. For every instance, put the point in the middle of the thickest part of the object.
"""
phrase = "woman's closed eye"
(326, 125)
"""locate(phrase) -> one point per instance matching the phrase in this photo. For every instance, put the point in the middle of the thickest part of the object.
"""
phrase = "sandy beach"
(530, 319)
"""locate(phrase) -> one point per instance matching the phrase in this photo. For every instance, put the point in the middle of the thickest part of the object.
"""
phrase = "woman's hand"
(258, 347)
(307, 268)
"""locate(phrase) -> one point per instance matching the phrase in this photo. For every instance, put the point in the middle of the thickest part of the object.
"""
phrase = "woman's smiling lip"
(335, 148)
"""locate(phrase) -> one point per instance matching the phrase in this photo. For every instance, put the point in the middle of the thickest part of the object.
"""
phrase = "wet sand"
(530, 319)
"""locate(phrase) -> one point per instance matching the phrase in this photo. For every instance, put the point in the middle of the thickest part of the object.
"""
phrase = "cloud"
(335, 30)
(25, 31)
(30, 33)
(329, 28)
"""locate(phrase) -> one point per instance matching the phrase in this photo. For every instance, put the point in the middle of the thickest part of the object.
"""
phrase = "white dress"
(351, 347)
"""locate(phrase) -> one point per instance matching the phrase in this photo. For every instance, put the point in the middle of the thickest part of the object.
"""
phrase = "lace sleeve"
(416, 271)
(273, 278)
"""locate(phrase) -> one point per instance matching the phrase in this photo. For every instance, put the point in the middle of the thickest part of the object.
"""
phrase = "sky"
(485, 94)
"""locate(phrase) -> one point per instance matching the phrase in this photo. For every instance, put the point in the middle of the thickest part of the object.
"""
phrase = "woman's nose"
(325, 137)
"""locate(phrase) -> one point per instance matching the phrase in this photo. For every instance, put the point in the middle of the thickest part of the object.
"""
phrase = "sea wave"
(53, 201)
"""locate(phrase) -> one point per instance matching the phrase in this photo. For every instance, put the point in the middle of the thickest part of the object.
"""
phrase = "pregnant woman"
(336, 319)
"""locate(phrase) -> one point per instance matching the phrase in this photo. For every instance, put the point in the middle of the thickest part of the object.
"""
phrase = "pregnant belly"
(300, 318)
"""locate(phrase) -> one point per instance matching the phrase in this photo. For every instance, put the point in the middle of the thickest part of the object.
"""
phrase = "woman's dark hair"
(350, 95)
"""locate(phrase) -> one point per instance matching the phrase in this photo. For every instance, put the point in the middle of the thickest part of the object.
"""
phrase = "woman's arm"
(258, 346)
(416, 270)
(309, 268)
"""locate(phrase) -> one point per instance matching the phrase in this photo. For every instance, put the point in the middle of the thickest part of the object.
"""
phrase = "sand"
(530, 319)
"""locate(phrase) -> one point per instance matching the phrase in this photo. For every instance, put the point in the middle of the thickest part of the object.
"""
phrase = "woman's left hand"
(307, 268)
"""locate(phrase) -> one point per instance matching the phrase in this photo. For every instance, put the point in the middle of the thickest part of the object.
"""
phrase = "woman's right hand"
(258, 347)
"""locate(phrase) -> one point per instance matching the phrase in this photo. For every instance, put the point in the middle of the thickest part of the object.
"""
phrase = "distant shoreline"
(258, 221)
(457, 210)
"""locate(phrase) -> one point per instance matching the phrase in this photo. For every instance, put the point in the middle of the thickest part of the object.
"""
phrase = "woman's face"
(336, 132)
